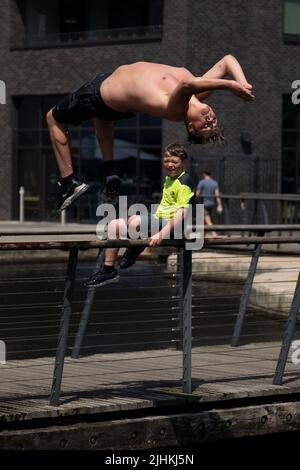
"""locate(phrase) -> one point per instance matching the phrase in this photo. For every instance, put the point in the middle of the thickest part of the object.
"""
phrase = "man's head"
(206, 173)
(174, 159)
(203, 127)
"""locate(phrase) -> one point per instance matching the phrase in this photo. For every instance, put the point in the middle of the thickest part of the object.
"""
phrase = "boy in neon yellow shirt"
(177, 195)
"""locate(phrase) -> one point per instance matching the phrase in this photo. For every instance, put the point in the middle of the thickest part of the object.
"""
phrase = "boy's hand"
(242, 90)
(156, 239)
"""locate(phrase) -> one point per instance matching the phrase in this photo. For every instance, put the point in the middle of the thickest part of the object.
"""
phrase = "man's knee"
(49, 118)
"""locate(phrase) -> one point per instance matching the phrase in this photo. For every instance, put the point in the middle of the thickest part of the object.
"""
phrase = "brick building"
(50, 47)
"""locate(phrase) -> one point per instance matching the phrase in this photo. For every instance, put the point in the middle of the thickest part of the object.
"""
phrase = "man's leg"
(70, 188)
(208, 221)
(61, 145)
(111, 182)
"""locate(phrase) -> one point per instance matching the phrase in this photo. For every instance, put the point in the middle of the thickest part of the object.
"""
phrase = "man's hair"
(206, 172)
(216, 138)
(177, 150)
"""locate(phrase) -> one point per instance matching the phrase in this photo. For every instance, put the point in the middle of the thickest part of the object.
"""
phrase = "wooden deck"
(105, 383)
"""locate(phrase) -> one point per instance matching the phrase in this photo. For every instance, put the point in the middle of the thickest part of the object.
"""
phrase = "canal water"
(140, 312)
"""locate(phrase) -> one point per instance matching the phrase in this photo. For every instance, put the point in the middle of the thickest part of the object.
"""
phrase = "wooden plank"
(159, 431)
(100, 382)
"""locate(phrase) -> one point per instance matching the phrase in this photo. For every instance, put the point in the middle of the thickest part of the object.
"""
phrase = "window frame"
(287, 37)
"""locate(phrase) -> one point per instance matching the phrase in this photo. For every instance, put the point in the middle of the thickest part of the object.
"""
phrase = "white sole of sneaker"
(77, 192)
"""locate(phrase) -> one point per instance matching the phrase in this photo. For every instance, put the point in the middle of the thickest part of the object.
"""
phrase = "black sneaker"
(102, 278)
(130, 256)
(111, 189)
(70, 193)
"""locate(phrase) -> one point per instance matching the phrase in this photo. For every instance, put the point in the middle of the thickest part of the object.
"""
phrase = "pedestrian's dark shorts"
(208, 210)
(86, 103)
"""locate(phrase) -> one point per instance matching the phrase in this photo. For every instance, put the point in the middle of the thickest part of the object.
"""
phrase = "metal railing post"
(186, 257)
(264, 211)
(64, 327)
(85, 316)
(288, 336)
(63, 217)
(180, 296)
(21, 204)
(245, 296)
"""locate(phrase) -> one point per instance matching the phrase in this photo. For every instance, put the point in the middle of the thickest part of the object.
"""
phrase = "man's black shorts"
(86, 103)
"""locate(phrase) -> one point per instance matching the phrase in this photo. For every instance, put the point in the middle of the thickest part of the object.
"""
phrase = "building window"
(290, 146)
(65, 22)
(292, 20)
(137, 151)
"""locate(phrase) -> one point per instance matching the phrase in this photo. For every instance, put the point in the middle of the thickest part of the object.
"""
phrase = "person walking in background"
(208, 192)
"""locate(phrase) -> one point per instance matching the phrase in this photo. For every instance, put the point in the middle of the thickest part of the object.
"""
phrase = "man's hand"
(156, 239)
(242, 90)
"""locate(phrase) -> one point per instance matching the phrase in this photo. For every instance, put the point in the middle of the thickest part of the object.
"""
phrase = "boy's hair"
(216, 138)
(177, 150)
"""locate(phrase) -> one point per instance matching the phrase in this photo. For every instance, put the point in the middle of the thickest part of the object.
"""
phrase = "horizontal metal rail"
(16, 245)
(19, 231)
(262, 196)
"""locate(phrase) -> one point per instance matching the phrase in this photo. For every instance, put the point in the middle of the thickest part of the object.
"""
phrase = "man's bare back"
(144, 87)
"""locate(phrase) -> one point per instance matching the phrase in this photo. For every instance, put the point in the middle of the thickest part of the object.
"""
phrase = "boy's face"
(173, 165)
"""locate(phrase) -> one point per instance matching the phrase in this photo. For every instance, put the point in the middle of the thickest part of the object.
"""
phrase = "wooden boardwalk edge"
(159, 431)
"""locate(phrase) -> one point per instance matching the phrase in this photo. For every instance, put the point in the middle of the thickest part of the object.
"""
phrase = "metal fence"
(151, 309)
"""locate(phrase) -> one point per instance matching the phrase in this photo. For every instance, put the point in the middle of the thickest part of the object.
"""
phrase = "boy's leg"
(70, 188)
(108, 274)
(131, 254)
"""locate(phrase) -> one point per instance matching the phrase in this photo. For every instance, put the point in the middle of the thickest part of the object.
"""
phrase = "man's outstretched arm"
(227, 66)
(199, 84)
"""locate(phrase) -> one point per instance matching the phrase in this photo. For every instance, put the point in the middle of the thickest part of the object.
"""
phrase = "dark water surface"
(140, 312)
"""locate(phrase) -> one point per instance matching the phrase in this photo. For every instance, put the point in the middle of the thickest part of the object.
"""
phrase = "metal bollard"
(21, 204)
(63, 217)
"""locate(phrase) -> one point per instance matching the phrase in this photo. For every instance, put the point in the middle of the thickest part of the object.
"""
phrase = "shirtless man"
(159, 90)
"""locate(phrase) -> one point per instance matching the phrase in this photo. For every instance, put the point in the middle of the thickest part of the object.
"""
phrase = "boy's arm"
(105, 136)
(168, 228)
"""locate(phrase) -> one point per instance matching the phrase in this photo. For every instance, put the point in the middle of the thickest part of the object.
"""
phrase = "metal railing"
(178, 305)
(101, 36)
(263, 207)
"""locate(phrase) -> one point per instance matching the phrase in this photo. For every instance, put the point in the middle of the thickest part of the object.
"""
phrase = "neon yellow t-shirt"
(177, 193)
